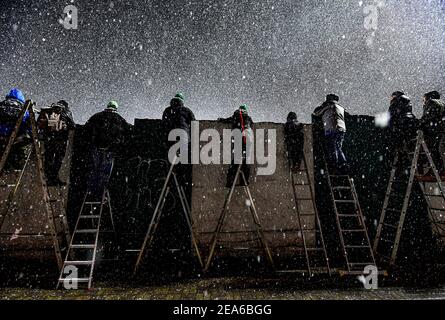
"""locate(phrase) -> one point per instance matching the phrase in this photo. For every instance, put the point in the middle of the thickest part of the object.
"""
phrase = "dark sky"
(276, 56)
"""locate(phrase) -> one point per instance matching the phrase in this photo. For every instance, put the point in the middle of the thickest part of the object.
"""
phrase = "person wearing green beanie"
(105, 132)
(243, 122)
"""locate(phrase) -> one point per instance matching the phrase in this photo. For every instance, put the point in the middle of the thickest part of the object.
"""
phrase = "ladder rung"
(89, 217)
(357, 247)
(390, 225)
(79, 263)
(87, 231)
(93, 203)
(342, 188)
(83, 246)
(353, 230)
(437, 209)
(75, 279)
(345, 201)
(347, 215)
(314, 249)
(362, 264)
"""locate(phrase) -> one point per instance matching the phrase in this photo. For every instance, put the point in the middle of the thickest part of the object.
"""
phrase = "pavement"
(228, 289)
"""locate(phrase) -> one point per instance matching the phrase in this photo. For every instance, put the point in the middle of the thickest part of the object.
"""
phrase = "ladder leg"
(221, 221)
(156, 213)
(385, 204)
(186, 211)
(44, 187)
(257, 222)
(13, 192)
(300, 225)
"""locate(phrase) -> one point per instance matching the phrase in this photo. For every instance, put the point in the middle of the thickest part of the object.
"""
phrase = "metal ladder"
(301, 179)
(47, 200)
(223, 216)
(394, 211)
(354, 239)
(82, 252)
(149, 237)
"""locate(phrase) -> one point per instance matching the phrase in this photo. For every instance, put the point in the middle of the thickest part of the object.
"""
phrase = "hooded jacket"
(433, 113)
(293, 131)
(332, 115)
(177, 116)
(55, 122)
(9, 114)
(106, 130)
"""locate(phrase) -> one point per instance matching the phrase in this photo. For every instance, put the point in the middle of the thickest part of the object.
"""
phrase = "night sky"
(276, 56)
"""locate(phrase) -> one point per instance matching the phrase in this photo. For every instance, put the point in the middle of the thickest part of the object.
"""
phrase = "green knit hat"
(244, 108)
(180, 96)
(113, 105)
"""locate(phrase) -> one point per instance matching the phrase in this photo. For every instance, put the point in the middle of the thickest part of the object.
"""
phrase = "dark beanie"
(432, 95)
(332, 97)
(398, 94)
(63, 103)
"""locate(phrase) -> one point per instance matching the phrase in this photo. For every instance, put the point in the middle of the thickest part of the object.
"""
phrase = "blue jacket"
(9, 114)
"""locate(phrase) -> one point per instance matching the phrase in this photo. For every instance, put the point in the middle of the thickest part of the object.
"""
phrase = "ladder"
(259, 229)
(82, 252)
(50, 213)
(354, 239)
(300, 181)
(156, 218)
(398, 195)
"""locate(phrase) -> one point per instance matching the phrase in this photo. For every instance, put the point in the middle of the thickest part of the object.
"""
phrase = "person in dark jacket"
(403, 123)
(106, 132)
(333, 117)
(10, 110)
(432, 125)
(294, 137)
(55, 124)
(178, 116)
(243, 122)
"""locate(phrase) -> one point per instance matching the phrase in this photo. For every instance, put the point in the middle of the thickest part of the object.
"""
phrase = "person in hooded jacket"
(10, 110)
(106, 133)
(243, 122)
(294, 138)
(433, 127)
(403, 124)
(178, 116)
(332, 115)
(55, 124)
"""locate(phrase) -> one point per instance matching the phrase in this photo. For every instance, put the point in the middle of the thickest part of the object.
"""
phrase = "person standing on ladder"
(433, 127)
(106, 131)
(242, 122)
(178, 116)
(402, 123)
(10, 110)
(333, 118)
(294, 138)
(55, 124)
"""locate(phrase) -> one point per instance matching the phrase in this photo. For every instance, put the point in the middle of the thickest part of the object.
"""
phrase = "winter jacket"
(333, 116)
(9, 114)
(403, 124)
(293, 132)
(433, 113)
(239, 120)
(106, 130)
(177, 116)
(55, 122)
